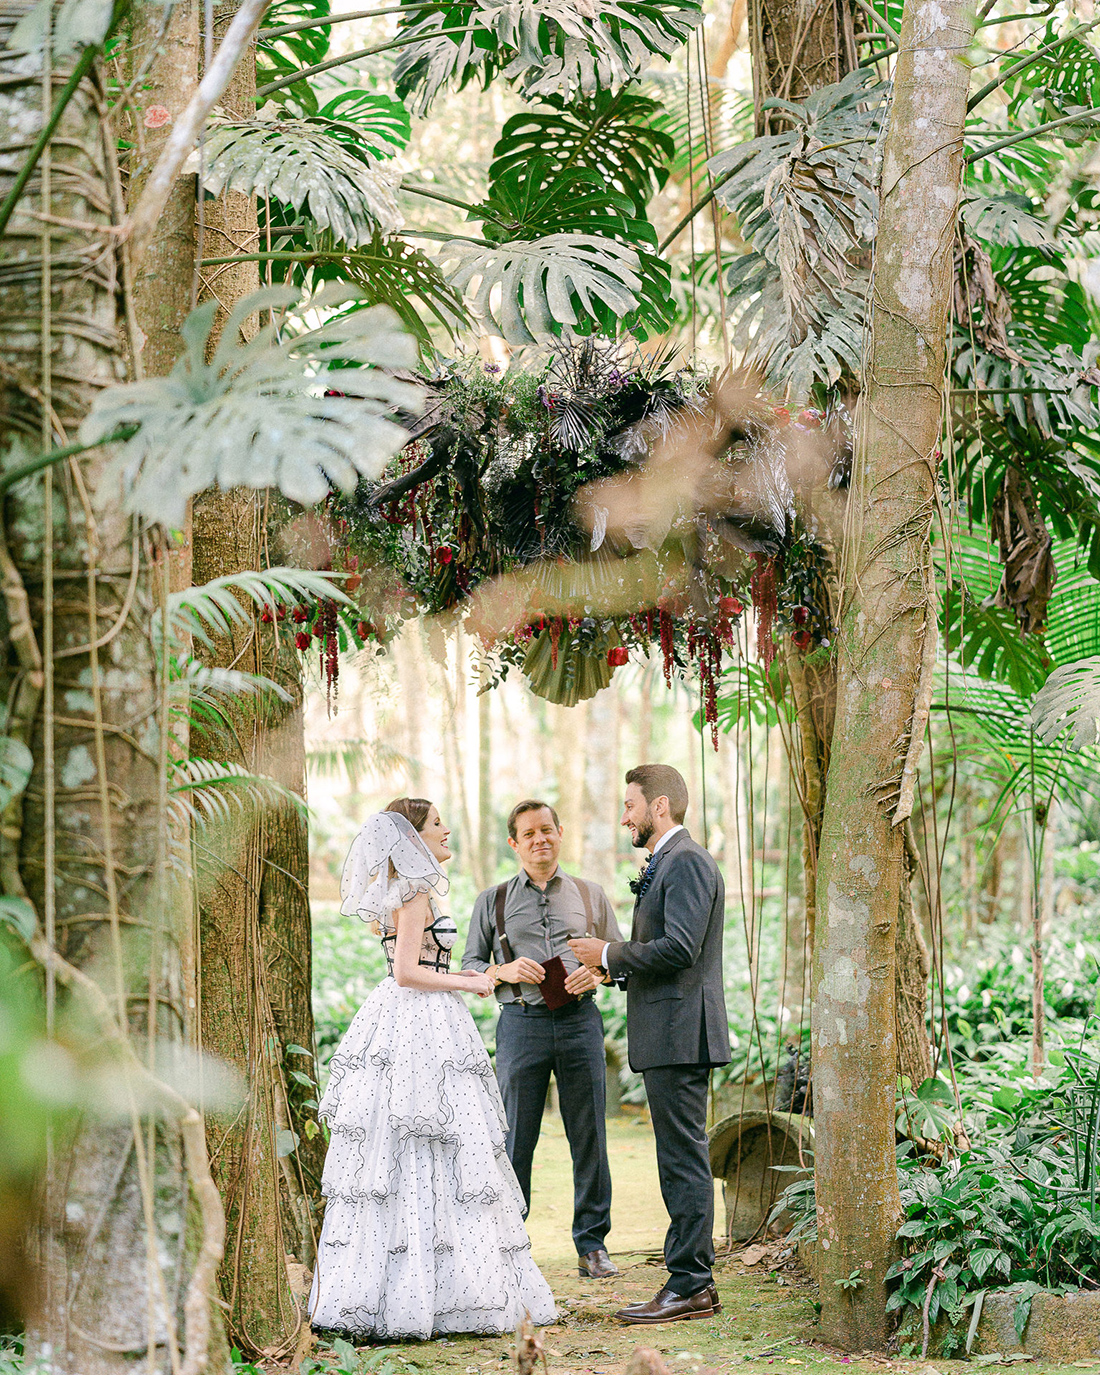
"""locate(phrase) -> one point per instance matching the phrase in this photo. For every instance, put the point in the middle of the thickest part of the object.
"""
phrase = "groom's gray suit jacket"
(672, 964)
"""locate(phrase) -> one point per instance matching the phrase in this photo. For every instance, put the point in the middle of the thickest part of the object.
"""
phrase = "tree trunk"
(797, 47)
(236, 1016)
(913, 966)
(887, 617)
(1041, 922)
(164, 290)
(116, 1249)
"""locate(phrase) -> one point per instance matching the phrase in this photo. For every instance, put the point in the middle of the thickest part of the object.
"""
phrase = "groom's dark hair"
(529, 804)
(662, 780)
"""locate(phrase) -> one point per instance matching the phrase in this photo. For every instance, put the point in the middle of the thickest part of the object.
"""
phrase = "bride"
(423, 1229)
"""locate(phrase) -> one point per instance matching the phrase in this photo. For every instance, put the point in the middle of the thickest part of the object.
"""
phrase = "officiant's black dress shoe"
(597, 1265)
(668, 1306)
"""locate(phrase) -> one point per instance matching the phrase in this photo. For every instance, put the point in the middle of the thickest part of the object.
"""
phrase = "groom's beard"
(642, 831)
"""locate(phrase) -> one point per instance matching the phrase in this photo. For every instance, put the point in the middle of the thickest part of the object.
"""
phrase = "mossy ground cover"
(768, 1312)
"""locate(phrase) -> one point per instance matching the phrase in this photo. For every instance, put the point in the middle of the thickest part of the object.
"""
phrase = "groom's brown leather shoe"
(668, 1306)
(597, 1265)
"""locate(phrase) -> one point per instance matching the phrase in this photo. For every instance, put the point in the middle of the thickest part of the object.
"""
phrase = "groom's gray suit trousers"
(532, 1042)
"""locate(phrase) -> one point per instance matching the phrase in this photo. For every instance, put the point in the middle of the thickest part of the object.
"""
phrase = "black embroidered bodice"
(435, 949)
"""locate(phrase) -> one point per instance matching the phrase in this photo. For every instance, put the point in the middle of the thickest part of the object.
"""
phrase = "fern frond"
(216, 607)
(204, 790)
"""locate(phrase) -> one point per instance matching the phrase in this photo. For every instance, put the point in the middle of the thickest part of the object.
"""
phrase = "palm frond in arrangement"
(565, 48)
(295, 407)
(323, 168)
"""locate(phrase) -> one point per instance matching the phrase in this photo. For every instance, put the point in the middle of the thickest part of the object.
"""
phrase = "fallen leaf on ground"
(752, 1255)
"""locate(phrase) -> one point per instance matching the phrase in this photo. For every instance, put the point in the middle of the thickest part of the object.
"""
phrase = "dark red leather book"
(552, 988)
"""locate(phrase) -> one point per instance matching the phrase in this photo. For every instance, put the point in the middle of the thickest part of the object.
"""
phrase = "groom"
(676, 1025)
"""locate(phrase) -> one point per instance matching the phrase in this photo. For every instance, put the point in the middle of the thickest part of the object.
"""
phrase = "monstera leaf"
(388, 272)
(809, 193)
(320, 167)
(610, 135)
(806, 205)
(1005, 220)
(527, 201)
(565, 48)
(297, 408)
(564, 282)
(279, 57)
(1070, 700)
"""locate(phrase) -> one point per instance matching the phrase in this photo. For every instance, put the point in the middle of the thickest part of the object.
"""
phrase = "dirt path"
(768, 1311)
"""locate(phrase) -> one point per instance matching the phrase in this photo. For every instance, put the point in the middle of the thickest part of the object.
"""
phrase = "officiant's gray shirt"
(539, 924)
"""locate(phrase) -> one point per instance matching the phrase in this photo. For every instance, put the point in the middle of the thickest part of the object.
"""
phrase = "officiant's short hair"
(662, 780)
(529, 804)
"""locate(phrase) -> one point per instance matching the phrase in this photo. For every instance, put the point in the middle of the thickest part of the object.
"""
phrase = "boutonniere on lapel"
(641, 883)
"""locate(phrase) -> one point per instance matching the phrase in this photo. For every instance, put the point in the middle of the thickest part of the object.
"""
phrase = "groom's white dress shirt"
(667, 836)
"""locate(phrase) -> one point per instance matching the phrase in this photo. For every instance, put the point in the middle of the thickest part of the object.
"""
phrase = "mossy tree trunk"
(886, 581)
(797, 47)
(116, 1250)
(254, 931)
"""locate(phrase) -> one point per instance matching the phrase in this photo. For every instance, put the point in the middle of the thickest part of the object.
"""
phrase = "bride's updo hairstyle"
(414, 809)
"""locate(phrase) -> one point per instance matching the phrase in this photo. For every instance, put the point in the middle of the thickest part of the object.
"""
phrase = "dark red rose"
(301, 640)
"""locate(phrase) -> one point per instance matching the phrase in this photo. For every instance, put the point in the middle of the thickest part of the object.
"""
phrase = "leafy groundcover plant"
(995, 1218)
(1018, 1212)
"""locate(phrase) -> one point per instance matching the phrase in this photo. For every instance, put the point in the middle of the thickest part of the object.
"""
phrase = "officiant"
(549, 1022)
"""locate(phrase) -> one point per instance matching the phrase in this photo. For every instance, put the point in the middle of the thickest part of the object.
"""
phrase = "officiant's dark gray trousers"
(532, 1042)
(677, 1098)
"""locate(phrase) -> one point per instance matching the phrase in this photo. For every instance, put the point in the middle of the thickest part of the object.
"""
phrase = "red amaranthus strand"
(555, 636)
(330, 650)
(668, 645)
(764, 588)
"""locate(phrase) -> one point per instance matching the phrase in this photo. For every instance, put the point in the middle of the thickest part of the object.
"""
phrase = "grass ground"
(767, 1314)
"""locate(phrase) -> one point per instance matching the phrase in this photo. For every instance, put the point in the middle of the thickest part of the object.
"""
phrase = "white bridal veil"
(387, 865)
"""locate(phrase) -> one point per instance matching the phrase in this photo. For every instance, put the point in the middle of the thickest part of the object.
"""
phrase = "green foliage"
(806, 206)
(16, 762)
(280, 57)
(1070, 700)
(318, 167)
(998, 1216)
(224, 604)
(255, 414)
(550, 286)
(612, 135)
(385, 1360)
(383, 272)
(544, 47)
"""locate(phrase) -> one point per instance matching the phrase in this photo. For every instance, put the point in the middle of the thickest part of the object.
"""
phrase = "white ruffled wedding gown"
(423, 1229)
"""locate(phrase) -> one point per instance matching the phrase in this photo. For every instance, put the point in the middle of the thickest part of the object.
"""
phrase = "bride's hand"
(479, 983)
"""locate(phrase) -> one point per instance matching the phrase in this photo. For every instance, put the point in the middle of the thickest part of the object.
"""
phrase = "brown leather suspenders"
(501, 895)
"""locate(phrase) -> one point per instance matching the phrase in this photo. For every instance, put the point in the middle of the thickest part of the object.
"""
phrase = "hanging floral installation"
(508, 506)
